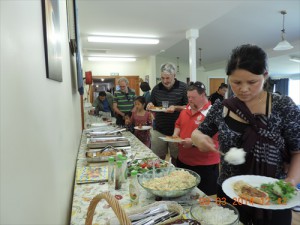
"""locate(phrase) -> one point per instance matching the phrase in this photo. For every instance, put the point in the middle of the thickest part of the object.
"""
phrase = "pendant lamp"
(283, 44)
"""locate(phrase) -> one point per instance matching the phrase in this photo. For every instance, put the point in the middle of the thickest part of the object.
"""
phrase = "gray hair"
(123, 79)
(168, 68)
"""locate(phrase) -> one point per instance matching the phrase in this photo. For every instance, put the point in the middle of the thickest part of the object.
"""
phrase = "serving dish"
(215, 213)
(104, 141)
(104, 134)
(96, 155)
(146, 164)
(167, 174)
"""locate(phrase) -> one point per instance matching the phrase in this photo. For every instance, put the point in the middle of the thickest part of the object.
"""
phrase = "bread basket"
(122, 215)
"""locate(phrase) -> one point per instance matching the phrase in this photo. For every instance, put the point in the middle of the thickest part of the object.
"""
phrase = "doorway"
(109, 84)
(214, 84)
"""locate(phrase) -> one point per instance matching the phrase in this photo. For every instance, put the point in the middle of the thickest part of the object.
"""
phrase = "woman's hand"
(203, 142)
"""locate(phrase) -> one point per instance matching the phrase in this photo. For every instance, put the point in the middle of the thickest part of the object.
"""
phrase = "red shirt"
(187, 123)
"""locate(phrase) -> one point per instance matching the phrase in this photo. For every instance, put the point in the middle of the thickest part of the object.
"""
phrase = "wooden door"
(134, 83)
(214, 84)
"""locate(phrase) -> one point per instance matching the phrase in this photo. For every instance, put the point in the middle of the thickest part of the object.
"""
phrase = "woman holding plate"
(265, 125)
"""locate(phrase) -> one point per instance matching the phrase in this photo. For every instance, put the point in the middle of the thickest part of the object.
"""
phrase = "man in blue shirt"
(103, 103)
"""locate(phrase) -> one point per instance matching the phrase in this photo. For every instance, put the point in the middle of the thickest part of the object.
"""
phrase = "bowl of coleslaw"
(169, 182)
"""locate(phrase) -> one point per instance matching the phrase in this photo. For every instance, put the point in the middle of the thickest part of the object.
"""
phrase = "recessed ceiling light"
(123, 40)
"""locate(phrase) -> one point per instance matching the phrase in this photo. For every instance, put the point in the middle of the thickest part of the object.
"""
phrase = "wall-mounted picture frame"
(52, 39)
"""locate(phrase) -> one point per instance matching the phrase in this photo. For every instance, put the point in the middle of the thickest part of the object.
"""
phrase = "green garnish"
(279, 190)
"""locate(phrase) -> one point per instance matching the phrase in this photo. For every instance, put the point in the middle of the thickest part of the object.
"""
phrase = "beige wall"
(40, 124)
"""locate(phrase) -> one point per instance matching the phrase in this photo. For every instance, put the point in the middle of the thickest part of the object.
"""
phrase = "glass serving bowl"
(215, 213)
(164, 172)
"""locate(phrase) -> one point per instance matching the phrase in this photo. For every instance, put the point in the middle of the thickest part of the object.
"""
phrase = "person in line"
(145, 87)
(172, 90)
(139, 118)
(123, 100)
(104, 103)
(127, 120)
(206, 164)
(219, 94)
(265, 125)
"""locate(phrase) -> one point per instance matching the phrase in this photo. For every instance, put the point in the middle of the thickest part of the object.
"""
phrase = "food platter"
(103, 142)
(96, 155)
(158, 109)
(171, 139)
(256, 181)
(146, 164)
(143, 128)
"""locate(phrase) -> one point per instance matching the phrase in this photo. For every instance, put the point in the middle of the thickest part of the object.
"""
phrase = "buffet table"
(83, 193)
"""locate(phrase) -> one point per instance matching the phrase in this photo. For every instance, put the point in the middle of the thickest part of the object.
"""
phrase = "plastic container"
(118, 175)
(134, 192)
(124, 168)
(111, 164)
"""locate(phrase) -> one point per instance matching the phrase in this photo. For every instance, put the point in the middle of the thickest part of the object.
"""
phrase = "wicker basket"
(121, 214)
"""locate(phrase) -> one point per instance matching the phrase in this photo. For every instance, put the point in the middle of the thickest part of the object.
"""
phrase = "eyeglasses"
(197, 84)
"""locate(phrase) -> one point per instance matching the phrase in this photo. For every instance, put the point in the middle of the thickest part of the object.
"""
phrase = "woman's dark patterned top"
(283, 125)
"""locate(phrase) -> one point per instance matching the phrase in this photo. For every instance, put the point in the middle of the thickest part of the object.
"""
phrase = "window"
(294, 93)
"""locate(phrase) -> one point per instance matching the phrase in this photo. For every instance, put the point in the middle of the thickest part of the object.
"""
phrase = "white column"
(192, 35)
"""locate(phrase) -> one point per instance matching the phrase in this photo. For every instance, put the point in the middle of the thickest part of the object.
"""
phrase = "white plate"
(256, 181)
(158, 110)
(171, 140)
(143, 128)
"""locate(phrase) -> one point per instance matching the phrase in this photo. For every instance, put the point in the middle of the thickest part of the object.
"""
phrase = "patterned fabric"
(124, 100)
(273, 143)
(177, 95)
(142, 135)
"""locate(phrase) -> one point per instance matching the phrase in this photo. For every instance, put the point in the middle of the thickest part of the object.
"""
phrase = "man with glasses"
(174, 91)
(206, 164)
(123, 101)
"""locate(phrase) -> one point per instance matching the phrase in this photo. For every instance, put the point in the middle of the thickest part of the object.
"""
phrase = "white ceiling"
(222, 26)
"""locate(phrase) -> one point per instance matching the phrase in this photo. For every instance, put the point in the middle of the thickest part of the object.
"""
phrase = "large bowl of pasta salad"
(169, 182)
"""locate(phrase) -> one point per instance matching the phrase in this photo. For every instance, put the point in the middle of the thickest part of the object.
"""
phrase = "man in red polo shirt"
(206, 164)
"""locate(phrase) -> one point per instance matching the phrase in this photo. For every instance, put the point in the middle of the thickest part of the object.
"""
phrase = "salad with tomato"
(144, 165)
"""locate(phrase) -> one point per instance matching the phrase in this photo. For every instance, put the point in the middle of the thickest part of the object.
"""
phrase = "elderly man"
(173, 91)
(104, 103)
(206, 164)
(123, 101)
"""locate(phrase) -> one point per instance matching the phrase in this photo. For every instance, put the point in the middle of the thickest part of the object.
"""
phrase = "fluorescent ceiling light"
(123, 40)
(295, 59)
(112, 59)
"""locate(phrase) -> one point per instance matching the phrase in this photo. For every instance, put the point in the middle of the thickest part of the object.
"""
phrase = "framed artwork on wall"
(52, 39)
